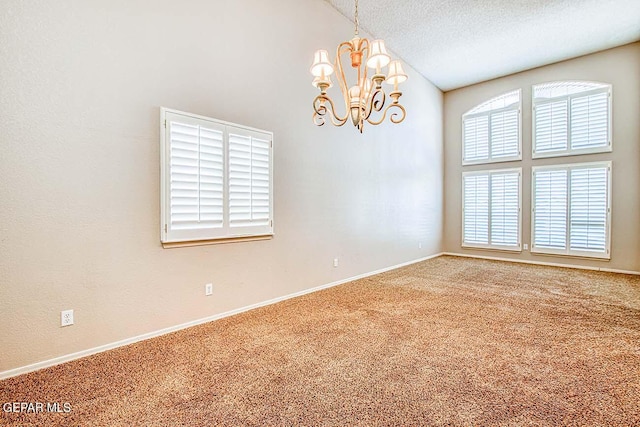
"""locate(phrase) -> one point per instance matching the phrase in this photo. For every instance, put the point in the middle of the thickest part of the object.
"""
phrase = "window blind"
(571, 118)
(216, 179)
(550, 209)
(491, 209)
(588, 209)
(491, 130)
(476, 209)
(571, 211)
(196, 170)
(249, 178)
(505, 209)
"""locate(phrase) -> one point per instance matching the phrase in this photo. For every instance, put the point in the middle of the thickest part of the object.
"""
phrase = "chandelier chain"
(356, 17)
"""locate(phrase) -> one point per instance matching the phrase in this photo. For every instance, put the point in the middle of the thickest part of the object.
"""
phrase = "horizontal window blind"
(476, 138)
(491, 130)
(249, 180)
(571, 118)
(476, 209)
(571, 209)
(550, 211)
(589, 121)
(491, 209)
(216, 179)
(588, 206)
(196, 170)
(505, 209)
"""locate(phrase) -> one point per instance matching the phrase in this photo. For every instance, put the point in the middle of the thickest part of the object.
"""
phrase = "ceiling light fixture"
(366, 96)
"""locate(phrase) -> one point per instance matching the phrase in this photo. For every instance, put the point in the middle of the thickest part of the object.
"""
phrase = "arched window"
(491, 130)
(571, 117)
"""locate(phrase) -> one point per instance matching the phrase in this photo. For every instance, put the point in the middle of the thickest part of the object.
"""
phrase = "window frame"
(569, 151)
(201, 236)
(568, 252)
(517, 106)
(490, 246)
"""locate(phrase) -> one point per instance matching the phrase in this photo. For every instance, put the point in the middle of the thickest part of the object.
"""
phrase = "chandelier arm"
(378, 98)
(320, 110)
(393, 116)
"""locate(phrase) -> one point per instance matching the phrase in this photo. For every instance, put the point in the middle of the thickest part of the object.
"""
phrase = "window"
(216, 179)
(491, 131)
(491, 209)
(571, 117)
(571, 209)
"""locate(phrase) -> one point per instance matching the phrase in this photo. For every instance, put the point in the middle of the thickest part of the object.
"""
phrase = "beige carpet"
(449, 341)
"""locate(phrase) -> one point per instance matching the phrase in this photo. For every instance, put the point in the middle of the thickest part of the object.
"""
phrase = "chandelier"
(366, 95)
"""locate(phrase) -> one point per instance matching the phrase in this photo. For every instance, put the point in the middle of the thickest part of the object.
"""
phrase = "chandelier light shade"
(365, 97)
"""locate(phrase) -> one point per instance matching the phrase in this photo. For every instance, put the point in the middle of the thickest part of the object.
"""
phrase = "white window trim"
(518, 247)
(490, 160)
(571, 152)
(568, 252)
(226, 233)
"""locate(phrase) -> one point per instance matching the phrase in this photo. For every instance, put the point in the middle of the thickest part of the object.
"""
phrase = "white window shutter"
(550, 122)
(571, 209)
(571, 117)
(491, 130)
(504, 134)
(476, 138)
(550, 209)
(196, 168)
(590, 121)
(588, 209)
(216, 179)
(476, 209)
(249, 180)
(505, 209)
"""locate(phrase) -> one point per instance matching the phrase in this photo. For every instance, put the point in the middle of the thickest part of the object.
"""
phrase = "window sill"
(170, 245)
(516, 249)
(592, 257)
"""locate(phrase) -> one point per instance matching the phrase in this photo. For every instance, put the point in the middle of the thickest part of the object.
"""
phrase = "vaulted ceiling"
(455, 43)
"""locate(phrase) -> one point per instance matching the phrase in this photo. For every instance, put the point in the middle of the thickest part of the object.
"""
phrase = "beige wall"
(620, 67)
(81, 85)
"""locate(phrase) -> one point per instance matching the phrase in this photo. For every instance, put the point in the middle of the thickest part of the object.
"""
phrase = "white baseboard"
(73, 356)
(550, 264)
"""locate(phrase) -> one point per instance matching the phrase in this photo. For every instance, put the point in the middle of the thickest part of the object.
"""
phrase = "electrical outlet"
(525, 247)
(208, 289)
(66, 318)
(335, 262)
(420, 245)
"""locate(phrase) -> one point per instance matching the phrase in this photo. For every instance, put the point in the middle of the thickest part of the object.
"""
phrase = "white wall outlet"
(208, 289)
(66, 318)
(335, 262)
(420, 245)
(525, 247)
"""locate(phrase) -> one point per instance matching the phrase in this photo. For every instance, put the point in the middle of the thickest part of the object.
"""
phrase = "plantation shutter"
(491, 130)
(571, 209)
(216, 179)
(550, 126)
(588, 217)
(196, 169)
(249, 181)
(476, 209)
(590, 121)
(505, 208)
(550, 209)
(504, 134)
(476, 138)
(571, 117)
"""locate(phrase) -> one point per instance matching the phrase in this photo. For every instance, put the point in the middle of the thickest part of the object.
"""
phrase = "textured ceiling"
(455, 43)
